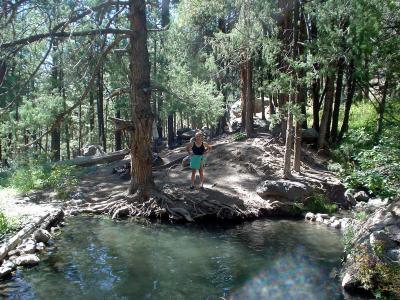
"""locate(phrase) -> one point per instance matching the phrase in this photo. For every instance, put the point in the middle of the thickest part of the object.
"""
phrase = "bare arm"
(208, 146)
(189, 148)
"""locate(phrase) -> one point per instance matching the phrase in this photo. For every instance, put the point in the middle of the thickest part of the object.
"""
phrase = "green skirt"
(195, 161)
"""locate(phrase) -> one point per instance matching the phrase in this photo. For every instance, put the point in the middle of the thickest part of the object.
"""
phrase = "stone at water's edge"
(41, 235)
(5, 271)
(380, 230)
(291, 190)
(27, 260)
(361, 196)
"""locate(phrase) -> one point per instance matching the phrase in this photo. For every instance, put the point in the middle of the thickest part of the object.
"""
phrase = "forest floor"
(233, 170)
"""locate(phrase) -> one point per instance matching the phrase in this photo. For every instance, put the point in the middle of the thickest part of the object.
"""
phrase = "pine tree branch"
(66, 112)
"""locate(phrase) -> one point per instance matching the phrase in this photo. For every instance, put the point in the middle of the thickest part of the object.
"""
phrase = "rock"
(327, 222)
(77, 195)
(186, 162)
(41, 235)
(189, 134)
(9, 264)
(349, 194)
(290, 190)
(54, 229)
(93, 150)
(378, 237)
(40, 246)
(332, 219)
(14, 252)
(309, 135)
(27, 260)
(377, 202)
(361, 196)
(393, 232)
(12, 259)
(350, 281)
(319, 219)
(345, 222)
(394, 254)
(27, 247)
(310, 216)
(157, 160)
(76, 202)
(5, 271)
(323, 216)
(336, 224)
(181, 131)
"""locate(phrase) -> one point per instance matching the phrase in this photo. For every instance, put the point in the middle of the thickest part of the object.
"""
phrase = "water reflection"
(102, 259)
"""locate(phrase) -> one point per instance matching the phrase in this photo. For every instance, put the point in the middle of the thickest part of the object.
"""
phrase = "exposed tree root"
(174, 204)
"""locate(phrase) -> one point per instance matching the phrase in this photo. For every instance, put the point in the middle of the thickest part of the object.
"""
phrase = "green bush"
(375, 274)
(239, 136)
(317, 203)
(6, 224)
(37, 174)
(365, 165)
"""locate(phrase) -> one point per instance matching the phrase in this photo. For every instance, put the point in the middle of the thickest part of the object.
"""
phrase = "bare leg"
(201, 171)
(193, 176)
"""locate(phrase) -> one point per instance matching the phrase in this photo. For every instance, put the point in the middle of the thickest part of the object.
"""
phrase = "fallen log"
(85, 161)
(17, 238)
(44, 222)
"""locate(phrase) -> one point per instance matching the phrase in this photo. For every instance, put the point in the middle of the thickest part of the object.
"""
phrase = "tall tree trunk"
(381, 110)
(171, 134)
(100, 109)
(351, 87)
(80, 130)
(288, 145)
(91, 114)
(327, 112)
(118, 133)
(141, 154)
(298, 50)
(249, 99)
(316, 82)
(315, 89)
(243, 92)
(56, 84)
(338, 94)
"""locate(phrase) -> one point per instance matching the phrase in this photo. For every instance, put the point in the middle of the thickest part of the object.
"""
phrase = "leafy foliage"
(6, 224)
(318, 203)
(38, 174)
(239, 136)
(375, 274)
(367, 164)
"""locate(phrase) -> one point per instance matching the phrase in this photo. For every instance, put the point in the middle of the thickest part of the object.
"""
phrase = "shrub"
(37, 174)
(375, 274)
(317, 203)
(239, 136)
(6, 224)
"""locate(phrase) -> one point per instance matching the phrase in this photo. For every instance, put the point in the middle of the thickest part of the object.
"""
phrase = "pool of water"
(97, 258)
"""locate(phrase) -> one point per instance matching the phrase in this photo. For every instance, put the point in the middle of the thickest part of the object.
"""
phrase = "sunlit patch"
(292, 275)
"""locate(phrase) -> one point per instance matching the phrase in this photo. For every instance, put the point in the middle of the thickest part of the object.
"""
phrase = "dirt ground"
(233, 170)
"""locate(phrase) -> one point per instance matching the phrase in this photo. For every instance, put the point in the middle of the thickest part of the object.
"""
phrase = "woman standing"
(198, 148)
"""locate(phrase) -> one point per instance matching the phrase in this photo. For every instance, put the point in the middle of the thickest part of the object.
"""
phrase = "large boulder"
(188, 134)
(41, 235)
(236, 108)
(374, 247)
(27, 260)
(361, 196)
(292, 191)
(93, 150)
(181, 131)
(309, 135)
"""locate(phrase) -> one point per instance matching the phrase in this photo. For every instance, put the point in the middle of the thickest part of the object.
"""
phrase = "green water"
(96, 258)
